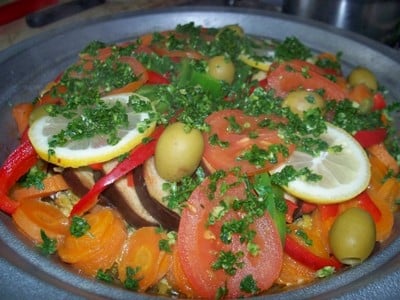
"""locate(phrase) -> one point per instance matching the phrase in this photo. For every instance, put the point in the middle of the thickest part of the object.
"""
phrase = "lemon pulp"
(86, 151)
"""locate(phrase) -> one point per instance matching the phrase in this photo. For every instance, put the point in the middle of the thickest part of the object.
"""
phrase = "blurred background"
(376, 19)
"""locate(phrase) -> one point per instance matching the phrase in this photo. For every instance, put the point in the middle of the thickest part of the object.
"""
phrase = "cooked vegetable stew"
(206, 163)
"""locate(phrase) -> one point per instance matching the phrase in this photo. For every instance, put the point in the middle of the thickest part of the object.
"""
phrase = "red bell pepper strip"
(290, 211)
(137, 157)
(365, 202)
(301, 254)
(15, 166)
(328, 210)
(156, 78)
(379, 102)
(370, 137)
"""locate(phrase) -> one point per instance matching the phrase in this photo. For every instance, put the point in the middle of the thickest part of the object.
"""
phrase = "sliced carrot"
(52, 185)
(378, 172)
(112, 243)
(177, 278)
(380, 151)
(143, 254)
(21, 113)
(97, 244)
(294, 273)
(390, 192)
(385, 224)
(32, 215)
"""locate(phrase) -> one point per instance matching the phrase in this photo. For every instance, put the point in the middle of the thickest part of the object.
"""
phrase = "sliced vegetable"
(21, 113)
(144, 255)
(51, 185)
(14, 167)
(137, 157)
(226, 267)
(380, 151)
(33, 216)
(238, 140)
(97, 247)
(289, 76)
(306, 257)
(370, 137)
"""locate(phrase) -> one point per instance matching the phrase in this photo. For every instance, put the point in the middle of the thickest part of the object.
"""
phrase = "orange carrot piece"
(385, 224)
(143, 254)
(52, 185)
(177, 278)
(294, 273)
(100, 247)
(380, 151)
(32, 215)
(378, 172)
(390, 192)
(112, 242)
(21, 113)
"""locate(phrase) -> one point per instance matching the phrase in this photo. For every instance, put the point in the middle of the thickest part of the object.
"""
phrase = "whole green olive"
(221, 68)
(362, 75)
(352, 236)
(178, 152)
(236, 29)
(301, 101)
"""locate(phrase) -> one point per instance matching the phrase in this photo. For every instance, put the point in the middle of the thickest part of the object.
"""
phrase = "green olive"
(361, 75)
(178, 152)
(236, 29)
(352, 236)
(301, 101)
(221, 68)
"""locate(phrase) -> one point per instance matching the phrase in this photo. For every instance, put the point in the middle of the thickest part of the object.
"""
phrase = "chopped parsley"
(259, 157)
(289, 173)
(249, 285)
(325, 272)
(49, 245)
(131, 282)
(34, 178)
(79, 226)
(292, 48)
(303, 235)
(229, 262)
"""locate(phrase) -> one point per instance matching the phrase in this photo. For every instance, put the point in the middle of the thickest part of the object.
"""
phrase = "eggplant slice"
(126, 200)
(148, 185)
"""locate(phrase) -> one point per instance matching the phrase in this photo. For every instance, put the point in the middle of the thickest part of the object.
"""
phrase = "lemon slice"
(91, 150)
(260, 64)
(344, 174)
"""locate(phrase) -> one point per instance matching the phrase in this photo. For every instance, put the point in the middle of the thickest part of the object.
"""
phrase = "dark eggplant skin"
(167, 218)
(126, 200)
(81, 181)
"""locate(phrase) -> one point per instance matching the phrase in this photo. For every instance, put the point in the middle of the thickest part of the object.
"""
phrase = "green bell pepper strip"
(137, 157)
(17, 164)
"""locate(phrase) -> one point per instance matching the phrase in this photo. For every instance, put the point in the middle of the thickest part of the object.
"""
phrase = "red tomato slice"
(199, 244)
(293, 75)
(216, 157)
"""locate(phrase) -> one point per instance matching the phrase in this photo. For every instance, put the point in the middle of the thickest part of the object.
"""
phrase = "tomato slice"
(293, 75)
(217, 156)
(199, 243)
